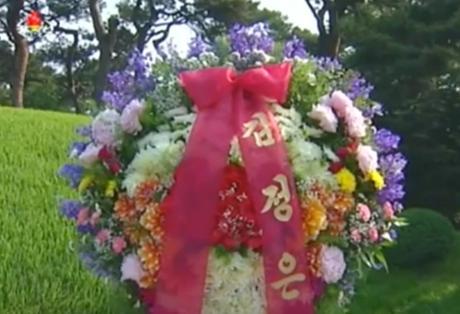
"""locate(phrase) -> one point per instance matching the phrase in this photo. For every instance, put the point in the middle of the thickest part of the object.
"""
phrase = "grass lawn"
(40, 274)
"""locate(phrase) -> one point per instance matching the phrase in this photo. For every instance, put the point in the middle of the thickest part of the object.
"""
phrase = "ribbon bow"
(233, 105)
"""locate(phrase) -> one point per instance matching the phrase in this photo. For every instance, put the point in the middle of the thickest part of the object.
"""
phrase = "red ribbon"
(225, 102)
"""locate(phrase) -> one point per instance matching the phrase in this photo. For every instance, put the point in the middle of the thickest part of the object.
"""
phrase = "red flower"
(110, 160)
(335, 167)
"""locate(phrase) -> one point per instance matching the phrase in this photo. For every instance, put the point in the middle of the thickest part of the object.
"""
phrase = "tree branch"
(7, 31)
(97, 20)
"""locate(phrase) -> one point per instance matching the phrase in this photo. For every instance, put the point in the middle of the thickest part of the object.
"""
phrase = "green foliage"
(428, 237)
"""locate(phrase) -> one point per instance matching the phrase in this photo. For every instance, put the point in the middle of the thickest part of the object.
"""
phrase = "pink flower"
(83, 216)
(388, 211)
(106, 128)
(118, 245)
(325, 116)
(95, 217)
(364, 212)
(367, 158)
(356, 124)
(130, 117)
(340, 102)
(90, 155)
(373, 234)
(131, 268)
(356, 235)
(102, 236)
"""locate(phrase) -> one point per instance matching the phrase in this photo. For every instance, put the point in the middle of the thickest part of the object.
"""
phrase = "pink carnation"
(356, 124)
(364, 212)
(367, 158)
(118, 245)
(130, 117)
(388, 212)
(356, 235)
(325, 116)
(83, 216)
(340, 102)
(95, 217)
(102, 236)
(373, 234)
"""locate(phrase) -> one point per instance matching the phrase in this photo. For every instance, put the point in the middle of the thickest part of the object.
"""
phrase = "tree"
(10, 16)
(71, 47)
(410, 50)
(224, 14)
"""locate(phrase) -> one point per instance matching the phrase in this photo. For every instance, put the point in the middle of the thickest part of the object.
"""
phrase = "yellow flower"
(346, 180)
(314, 218)
(377, 179)
(85, 183)
(111, 188)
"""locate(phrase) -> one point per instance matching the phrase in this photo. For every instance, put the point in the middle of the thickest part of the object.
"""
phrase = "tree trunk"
(71, 88)
(21, 59)
(105, 60)
(329, 45)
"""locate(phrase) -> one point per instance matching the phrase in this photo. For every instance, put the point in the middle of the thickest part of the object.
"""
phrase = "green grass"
(39, 271)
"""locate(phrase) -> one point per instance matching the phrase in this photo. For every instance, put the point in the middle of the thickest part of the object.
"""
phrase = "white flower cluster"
(235, 285)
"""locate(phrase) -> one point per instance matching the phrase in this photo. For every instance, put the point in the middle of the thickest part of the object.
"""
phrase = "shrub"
(428, 237)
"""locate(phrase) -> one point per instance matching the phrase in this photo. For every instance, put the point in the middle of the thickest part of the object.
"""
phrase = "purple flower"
(247, 39)
(328, 64)
(76, 148)
(295, 48)
(73, 174)
(197, 47)
(386, 141)
(86, 228)
(84, 131)
(375, 110)
(359, 88)
(135, 81)
(70, 208)
(392, 166)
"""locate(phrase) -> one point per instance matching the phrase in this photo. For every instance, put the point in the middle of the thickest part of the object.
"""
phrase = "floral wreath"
(346, 176)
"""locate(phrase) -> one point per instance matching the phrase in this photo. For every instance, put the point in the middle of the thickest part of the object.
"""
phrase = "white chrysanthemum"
(153, 163)
(288, 120)
(332, 264)
(235, 285)
(307, 160)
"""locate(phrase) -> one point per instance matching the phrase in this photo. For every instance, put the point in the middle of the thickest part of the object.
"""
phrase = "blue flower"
(72, 173)
(197, 47)
(248, 39)
(76, 148)
(135, 81)
(358, 87)
(386, 141)
(85, 229)
(328, 64)
(70, 208)
(295, 48)
(84, 131)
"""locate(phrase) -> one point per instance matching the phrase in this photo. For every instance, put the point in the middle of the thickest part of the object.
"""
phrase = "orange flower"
(135, 233)
(149, 254)
(125, 209)
(314, 218)
(145, 194)
(152, 220)
(313, 260)
(340, 206)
